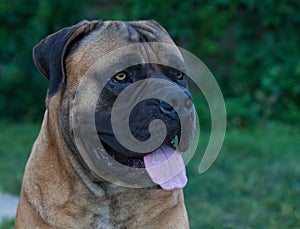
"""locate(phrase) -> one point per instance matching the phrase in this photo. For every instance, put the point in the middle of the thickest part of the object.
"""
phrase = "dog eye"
(121, 76)
(180, 75)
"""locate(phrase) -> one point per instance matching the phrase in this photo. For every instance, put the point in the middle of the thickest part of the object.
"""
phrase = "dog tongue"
(165, 167)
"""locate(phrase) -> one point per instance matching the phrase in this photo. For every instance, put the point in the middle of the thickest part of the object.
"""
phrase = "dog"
(60, 189)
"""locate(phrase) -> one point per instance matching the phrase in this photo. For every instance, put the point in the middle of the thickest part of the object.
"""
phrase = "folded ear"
(49, 55)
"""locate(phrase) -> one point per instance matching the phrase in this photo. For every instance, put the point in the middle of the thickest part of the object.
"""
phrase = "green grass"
(254, 183)
(7, 224)
(15, 144)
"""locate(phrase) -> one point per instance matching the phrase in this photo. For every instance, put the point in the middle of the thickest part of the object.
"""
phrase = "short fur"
(58, 190)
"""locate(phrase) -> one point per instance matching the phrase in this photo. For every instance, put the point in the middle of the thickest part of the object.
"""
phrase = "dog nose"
(179, 103)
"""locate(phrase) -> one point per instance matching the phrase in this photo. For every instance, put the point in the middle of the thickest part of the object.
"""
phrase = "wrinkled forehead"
(137, 41)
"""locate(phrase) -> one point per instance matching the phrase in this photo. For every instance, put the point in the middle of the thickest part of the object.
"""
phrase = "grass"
(7, 224)
(15, 144)
(254, 183)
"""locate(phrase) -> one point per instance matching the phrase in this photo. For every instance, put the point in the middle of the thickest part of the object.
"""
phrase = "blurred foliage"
(16, 140)
(252, 47)
(252, 184)
(7, 224)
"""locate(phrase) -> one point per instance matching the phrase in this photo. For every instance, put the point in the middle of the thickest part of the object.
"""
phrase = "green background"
(251, 47)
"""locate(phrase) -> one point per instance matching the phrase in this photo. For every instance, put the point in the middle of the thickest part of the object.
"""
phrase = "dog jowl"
(141, 116)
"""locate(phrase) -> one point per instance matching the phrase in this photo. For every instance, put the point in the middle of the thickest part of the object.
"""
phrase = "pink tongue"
(165, 167)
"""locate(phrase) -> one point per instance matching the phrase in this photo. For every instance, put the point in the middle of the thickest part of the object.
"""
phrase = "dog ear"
(49, 55)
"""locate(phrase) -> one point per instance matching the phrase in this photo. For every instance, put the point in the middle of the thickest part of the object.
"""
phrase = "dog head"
(67, 57)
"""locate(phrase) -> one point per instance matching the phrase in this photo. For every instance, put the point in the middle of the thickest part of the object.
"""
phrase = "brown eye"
(120, 76)
(180, 75)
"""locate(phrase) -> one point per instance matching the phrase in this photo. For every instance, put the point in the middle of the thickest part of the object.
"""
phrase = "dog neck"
(59, 191)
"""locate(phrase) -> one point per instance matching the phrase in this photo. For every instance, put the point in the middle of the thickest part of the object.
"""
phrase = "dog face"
(66, 57)
(142, 114)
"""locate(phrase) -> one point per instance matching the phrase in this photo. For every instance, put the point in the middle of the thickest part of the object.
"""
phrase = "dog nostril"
(166, 106)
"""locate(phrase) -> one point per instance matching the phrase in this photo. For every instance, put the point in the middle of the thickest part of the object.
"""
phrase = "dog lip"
(135, 162)
(154, 187)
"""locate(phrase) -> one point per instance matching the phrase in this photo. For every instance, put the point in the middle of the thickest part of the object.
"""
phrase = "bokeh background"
(252, 47)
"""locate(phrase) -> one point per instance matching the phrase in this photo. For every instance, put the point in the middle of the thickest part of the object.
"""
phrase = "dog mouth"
(165, 165)
(137, 162)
